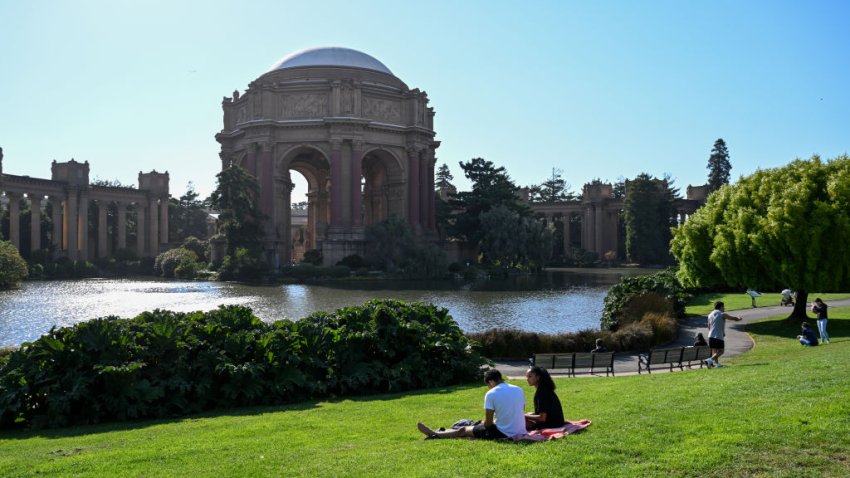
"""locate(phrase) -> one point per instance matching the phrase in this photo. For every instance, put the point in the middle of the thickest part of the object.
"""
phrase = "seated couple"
(504, 407)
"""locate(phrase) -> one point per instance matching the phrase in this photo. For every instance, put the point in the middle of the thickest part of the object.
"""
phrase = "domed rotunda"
(360, 137)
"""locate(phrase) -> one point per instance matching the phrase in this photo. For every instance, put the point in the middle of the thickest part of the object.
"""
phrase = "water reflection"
(552, 302)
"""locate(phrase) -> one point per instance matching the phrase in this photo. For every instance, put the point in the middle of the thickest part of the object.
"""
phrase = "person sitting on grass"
(599, 347)
(504, 417)
(547, 407)
(809, 339)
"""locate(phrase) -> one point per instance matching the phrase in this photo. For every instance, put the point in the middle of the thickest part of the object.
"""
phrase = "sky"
(602, 89)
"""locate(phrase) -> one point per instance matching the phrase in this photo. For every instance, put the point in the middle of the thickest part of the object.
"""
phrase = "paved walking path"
(737, 340)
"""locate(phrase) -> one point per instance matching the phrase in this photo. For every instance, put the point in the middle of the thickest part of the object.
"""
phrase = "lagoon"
(556, 301)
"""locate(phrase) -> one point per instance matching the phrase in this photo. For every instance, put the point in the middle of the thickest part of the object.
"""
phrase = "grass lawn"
(779, 410)
(702, 304)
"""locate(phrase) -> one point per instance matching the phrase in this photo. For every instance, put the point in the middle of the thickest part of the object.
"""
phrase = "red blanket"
(553, 433)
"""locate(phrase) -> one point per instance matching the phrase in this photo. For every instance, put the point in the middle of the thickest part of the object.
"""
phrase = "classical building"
(68, 197)
(593, 222)
(363, 140)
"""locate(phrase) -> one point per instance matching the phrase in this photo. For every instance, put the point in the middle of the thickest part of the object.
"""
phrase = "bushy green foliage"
(162, 364)
(13, 268)
(244, 265)
(313, 256)
(199, 247)
(392, 245)
(663, 283)
(180, 257)
(353, 261)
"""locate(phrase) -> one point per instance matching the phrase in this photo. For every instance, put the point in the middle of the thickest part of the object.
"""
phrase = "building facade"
(362, 139)
(68, 197)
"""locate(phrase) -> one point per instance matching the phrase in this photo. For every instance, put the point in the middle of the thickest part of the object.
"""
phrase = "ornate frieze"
(382, 110)
(304, 106)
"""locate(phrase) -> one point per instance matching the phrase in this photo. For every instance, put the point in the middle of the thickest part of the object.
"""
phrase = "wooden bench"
(575, 361)
(673, 357)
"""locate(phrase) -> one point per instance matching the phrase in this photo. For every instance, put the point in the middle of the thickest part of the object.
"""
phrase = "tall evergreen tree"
(443, 178)
(240, 218)
(649, 213)
(187, 216)
(718, 166)
(554, 189)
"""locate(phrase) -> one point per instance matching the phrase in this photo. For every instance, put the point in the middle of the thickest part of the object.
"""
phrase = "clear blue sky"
(598, 89)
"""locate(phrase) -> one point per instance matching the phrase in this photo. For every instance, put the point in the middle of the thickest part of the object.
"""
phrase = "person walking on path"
(717, 333)
(504, 413)
(819, 308)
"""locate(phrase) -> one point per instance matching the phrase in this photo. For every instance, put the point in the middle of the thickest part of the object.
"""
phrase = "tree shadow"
(838, 328)
(130, 425)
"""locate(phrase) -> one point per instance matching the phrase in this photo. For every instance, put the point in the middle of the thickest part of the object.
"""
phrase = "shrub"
(168, 261)
(125, 255)
(642, 303)
(664, 327)
(664, 283)
(13, 268)
(518, 344)
(164, 364)
(635, 336)
(245, 265)
(199, 247)
(353, 262)
(313, 256)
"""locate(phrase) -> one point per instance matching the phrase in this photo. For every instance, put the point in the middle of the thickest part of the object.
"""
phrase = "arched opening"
(304, 200)
(382, 186)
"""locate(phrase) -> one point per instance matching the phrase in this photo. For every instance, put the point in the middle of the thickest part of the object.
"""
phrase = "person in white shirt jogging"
(717, 333)
(504, 413)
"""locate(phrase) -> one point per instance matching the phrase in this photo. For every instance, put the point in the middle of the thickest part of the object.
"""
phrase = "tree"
(648, 215)
(443, 178)
(554, 189)
(718, 166)
(240, 219)
(392, 245)
(511, 241)
(782, 227)
(187, 216)
(13, 268)
(491, 187)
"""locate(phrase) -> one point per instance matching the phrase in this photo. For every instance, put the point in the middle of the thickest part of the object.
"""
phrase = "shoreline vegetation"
(762, 422)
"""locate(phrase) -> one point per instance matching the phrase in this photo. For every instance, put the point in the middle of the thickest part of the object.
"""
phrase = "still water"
(557, 301)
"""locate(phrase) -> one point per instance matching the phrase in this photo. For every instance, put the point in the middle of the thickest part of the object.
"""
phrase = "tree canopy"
(13, 268)
(554, 189)
(443, 178)
(240, 218)
(187, 216)
(648, 214)
(782, 227)
(718, 166)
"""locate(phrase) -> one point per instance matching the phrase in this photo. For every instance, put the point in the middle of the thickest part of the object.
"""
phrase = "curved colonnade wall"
(68, 198)
(360, 137)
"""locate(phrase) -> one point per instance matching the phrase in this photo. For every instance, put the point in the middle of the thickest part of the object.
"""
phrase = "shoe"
(708, 362)
(717, 365)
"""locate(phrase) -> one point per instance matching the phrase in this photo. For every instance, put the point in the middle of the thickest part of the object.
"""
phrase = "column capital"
(266, 146)
(336, 143)
(357, 144)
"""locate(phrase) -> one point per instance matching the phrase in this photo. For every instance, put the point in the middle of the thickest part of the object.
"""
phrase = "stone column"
(424, 196)
(14, 219)
(312, 218)
(413, 188)
(336, 183)
(266, 181)
(283, 218)
(71, 225)
(153, 241)
(432, 195)
(35, 223)
(599, 234)
(141, 230)
(102, 248)
(83, 227)
(356, 193)
(56, 240)
(122, 225)
(588, 226)
(565, 218)
(163, 220)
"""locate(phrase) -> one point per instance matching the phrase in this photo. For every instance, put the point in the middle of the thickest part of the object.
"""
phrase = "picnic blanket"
(553, 433)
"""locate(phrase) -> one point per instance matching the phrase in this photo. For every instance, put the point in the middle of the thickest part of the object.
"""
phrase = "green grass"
(702, 304)
(779, 410)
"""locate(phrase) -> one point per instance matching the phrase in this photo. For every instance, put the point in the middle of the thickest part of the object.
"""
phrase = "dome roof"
(331, 56)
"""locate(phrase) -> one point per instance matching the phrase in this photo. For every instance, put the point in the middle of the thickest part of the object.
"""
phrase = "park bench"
(574, 362)
(673, 357)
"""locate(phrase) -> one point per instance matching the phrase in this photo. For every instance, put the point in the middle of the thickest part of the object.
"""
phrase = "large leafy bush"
(664, 284)
(162, 363)
(13, 268)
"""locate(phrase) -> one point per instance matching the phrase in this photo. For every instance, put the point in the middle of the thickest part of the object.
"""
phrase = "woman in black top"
(547, 407)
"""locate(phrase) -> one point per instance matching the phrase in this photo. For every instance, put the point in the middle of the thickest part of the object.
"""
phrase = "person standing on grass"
(717, 333)
(808, 338)
(819, 308)
(504, 413)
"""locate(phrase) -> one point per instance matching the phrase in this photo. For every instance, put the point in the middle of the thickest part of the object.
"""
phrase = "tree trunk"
(800, 304)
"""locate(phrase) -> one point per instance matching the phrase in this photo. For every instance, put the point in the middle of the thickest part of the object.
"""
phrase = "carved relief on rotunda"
(305, 106)
(382, 110)
(347, 98)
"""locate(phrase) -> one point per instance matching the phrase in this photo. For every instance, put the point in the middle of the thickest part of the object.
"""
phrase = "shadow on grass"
(81, 430)
(838, 328)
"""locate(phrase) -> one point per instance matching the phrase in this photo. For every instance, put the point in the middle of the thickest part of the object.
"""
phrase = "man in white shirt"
(717, 333)
(504, 413)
